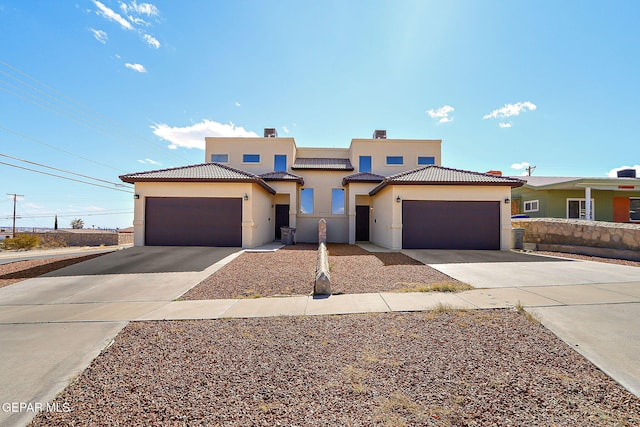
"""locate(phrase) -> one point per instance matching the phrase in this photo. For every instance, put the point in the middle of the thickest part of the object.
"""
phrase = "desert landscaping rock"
(291, 271)
(482, 368)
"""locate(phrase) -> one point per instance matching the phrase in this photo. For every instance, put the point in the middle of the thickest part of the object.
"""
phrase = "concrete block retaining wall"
(62, 239)
(580, 236)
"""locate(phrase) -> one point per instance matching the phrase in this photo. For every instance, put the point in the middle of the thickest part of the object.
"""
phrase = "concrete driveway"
(51, 327)
(594, 307)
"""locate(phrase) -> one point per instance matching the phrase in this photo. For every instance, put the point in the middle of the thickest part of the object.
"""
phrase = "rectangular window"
(395, 160)
(251, 158)
(531, 206)
(577, 208)
(280, 163)
(306, 201)
(426, 160)
(220, 158)
(337, 201)
(634, 209)
(365, 164)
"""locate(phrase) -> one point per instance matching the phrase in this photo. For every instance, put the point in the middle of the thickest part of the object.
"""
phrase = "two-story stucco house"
(391, 192)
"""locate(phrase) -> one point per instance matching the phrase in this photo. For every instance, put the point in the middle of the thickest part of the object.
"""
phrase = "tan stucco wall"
(266, 147)
(379, 149)
(387, 227)
(256, 212)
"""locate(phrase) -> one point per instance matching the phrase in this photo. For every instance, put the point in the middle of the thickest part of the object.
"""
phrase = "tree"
(55, 223)
(77, 224)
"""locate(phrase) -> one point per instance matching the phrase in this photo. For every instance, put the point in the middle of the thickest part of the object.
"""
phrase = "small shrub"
(21, 241)
(520, 309)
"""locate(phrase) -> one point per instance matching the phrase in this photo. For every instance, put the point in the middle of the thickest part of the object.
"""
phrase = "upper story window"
(251, 158)
(531, 206)
(220, 158)
(337, 201)
(426, 160)
(306, 201)
(395, 160)
(280, 162)
(365, 164)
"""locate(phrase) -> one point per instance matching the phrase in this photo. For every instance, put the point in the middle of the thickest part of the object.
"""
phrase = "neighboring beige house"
(391, 192)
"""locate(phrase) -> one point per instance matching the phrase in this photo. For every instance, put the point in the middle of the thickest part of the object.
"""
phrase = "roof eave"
(456, 183)
(260, 182)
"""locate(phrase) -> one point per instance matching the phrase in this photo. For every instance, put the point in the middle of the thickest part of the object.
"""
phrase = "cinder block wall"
(62, 239)
(577, 232)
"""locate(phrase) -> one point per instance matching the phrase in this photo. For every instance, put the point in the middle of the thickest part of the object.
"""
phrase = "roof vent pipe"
(270, 133)
(627, 173)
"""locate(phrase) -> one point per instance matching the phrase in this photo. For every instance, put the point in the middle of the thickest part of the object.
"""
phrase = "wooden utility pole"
(15, 197)
(530, 169)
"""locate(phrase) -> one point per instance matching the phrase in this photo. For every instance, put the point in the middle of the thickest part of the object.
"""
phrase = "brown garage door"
(428, 224)
(193, 221)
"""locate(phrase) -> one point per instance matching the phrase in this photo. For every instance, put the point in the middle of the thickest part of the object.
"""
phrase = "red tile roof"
(362, 177)
(282, 176)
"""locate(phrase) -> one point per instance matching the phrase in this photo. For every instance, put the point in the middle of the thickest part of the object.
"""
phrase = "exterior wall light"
(398, 199)
(507, 200)
(136, 196)
(246, 196)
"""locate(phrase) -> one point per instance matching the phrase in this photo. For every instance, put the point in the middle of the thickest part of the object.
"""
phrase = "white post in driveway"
(587, 204)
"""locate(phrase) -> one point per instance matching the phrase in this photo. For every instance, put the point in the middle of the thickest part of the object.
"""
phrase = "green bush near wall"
(21, 241)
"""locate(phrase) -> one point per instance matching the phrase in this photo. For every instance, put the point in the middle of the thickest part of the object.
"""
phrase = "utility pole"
(15, 197)
(530, 169)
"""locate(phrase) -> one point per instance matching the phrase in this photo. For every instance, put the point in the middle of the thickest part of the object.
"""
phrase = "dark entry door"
(282, 219)
(435, 224)
(193, 221)
(362, 223)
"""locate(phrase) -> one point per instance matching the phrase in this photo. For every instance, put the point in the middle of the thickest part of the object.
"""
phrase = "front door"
(362, 223)
(282, 219)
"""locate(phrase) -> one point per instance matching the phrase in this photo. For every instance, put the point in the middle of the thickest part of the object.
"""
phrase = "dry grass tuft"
(435, 287)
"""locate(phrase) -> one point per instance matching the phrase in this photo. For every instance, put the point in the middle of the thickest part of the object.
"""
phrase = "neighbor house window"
(220, 158)
(634, 209)
(531, 206)
(337, 201)
(280, 163)
(365, 164)
(395, 160)
(577, 208)
(251, 158)
(426, 160)
(306, 201)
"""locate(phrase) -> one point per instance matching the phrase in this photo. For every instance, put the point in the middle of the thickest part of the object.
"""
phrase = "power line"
(64, 177)
(61, 170)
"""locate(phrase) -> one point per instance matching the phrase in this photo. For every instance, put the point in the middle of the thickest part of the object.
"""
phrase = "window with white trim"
(577, 209)
(531, 206)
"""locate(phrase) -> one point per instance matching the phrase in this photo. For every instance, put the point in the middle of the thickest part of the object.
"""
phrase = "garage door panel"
(193, 221)
(435, 224)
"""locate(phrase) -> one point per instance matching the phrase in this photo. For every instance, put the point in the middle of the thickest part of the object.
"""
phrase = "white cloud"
(148, 162)
(111, 15)
(141, 9)
(520, 166)
(614, 172)
(100, 35)
(442, 114)
(284, 128)
(504, 125)
(510, 110)
(152, 41)
(237, 104)
(136, 67)
(193, 136)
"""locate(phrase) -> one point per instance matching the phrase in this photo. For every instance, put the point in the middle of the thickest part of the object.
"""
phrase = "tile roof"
(322, 163)
(205, 172)
(362, 177)
(282, 176)
(439, 175)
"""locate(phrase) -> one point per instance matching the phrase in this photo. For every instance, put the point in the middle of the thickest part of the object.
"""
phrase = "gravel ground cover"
(448, 368)
(590, 258)
(291, 271)
(21, 270)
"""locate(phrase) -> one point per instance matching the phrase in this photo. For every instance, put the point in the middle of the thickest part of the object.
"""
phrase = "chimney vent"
(627, 173)
(270, 133)
(379, 134)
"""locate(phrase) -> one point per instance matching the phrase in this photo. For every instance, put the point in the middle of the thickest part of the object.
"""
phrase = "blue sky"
(103, 88)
